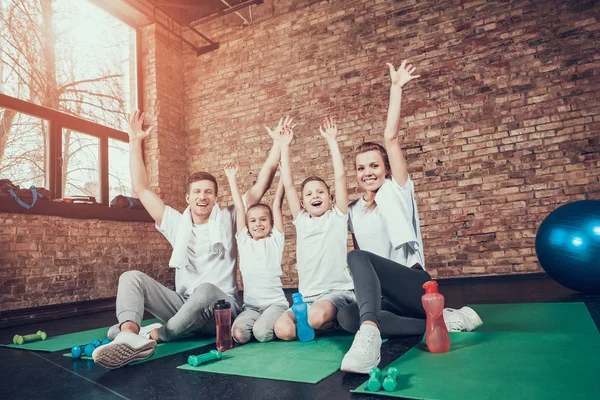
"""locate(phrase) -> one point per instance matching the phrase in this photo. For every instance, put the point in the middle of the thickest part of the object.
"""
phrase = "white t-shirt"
(260, 265)
(371, 228)
(205, 266)
(321, 252)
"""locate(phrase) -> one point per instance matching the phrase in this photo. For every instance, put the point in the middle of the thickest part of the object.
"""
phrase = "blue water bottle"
(305, 332)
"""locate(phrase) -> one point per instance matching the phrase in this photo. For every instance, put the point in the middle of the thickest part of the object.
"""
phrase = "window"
(24, 157)
(67, 83)
(80, 172)
(118, 163)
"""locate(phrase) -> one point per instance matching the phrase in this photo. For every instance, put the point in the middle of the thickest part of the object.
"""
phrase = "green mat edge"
(337, 364)
(23, 346)
(589, 323)
(193, 345)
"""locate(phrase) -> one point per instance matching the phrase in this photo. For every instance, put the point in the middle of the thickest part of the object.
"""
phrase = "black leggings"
(400, 312)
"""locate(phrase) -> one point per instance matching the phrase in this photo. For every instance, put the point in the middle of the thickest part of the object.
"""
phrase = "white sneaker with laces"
(365, 352)
(127, 347)
(462, 320)
(114, 330)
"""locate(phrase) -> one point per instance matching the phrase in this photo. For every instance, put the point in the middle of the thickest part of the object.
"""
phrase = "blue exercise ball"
(568, 245)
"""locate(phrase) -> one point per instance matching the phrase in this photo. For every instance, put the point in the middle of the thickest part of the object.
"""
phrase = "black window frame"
(57, 121)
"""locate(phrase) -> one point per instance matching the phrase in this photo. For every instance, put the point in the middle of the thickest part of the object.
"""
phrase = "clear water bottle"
(436, 333)
(222, 310)
(300, 309)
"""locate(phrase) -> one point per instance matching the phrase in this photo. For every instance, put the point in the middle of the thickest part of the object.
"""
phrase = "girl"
(384, 224)
(324, 280)
(260, 243)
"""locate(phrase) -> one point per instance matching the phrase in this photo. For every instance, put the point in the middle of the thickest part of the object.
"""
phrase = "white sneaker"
(127, 347)
(145, 330)
(365, 352)
(114, 330)
(464, 319)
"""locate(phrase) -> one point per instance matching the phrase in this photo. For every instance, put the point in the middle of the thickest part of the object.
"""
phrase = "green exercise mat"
(307, 362)
(501, 366)
(167, 349)
(536, 318)
(61, 342)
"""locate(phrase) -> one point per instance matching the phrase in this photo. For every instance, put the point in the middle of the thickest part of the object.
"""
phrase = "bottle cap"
(430, 287)
(222, 305)
(297, 297)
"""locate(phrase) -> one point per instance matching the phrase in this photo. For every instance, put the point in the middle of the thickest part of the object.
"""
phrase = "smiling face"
(370, 170)
(259, 221)
(316, 199)
(201, 199)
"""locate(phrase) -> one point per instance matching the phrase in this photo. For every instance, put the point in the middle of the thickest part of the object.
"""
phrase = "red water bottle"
(436, 333)
(222, 310)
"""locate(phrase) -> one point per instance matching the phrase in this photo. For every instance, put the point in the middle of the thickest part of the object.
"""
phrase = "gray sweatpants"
(138, 292)
(257, 322)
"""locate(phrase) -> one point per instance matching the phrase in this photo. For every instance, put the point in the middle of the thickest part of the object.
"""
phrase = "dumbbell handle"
(33, 337)
(374, 382)
(390, 382)
(194, 361)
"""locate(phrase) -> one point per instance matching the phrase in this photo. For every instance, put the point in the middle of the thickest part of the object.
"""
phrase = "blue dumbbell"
(87, 349)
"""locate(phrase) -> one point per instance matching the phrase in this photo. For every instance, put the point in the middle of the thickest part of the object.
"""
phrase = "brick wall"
(165, 150)
(502, 127)
(54, 260)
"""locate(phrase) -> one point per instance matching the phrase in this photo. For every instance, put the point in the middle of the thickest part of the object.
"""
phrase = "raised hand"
(403, 75)
(287, 135)
(231, 170)
(275, 133)
(135, 127)
(329, 129)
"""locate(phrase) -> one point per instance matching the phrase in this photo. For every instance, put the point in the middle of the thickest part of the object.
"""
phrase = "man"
(204, 255)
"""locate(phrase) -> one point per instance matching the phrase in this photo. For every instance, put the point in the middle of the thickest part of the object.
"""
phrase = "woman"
(387, 265)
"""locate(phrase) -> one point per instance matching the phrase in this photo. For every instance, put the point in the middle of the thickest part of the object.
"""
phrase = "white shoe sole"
(120, 354)
(349, 368)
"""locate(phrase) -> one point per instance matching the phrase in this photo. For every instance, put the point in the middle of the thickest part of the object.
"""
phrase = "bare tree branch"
(103, 78)
(30, 73)
(95, 105)
(5, 124)
(25, 10)
(94, 94)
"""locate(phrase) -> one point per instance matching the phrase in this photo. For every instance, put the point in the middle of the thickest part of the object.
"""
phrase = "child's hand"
(135, 127)
(275, 133)
(329, 129)
(403, 75)
(287, 135)
(231, 170)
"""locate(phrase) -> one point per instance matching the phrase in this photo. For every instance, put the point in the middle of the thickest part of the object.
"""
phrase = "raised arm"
(286, 170)
(238, 203)
(267, 172)
(139, 178)
(399, 78)
(277, 206)
(329, 132)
